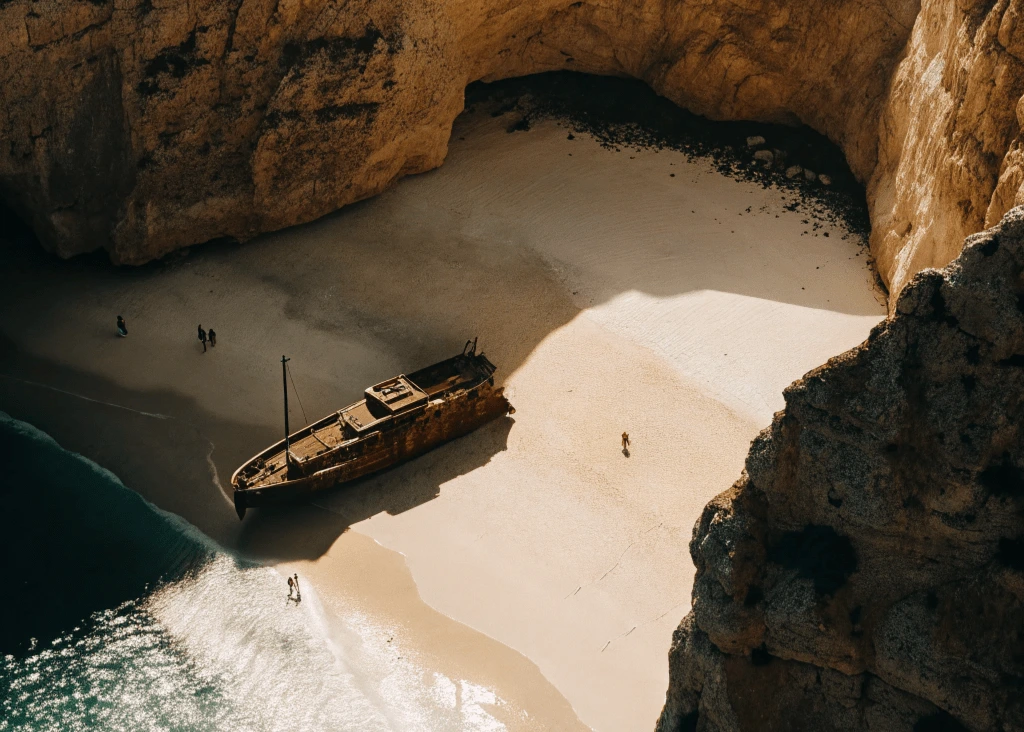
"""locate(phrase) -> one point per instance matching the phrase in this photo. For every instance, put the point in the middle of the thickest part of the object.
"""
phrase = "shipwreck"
(397, 420)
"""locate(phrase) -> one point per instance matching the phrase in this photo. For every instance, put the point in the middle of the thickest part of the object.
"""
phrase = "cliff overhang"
(142, 127)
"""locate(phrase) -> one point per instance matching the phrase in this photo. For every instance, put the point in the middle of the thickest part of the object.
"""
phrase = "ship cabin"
(383, 401)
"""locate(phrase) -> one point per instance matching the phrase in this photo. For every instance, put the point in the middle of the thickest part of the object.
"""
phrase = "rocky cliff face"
(867, 570)
(142, 126)
(950, 158)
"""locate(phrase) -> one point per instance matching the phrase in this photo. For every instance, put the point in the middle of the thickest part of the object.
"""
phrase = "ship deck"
(358, 421)
(325, 435)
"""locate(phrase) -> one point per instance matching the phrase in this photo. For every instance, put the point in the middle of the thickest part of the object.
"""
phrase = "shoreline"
(377, 582)
(633, 291)
(367, 576)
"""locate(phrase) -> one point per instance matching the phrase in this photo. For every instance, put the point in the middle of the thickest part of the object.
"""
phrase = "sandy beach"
(632, 291)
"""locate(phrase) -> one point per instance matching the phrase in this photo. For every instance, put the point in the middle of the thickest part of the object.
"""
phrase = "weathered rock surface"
(142, 126)
(867, 570)
(950, 158)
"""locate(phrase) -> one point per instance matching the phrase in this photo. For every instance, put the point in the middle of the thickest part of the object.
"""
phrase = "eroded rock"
(871, 558)
(141, 127)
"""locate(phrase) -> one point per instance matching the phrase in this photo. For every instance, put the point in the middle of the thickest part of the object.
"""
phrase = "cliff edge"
(141, 126)
(867, 570)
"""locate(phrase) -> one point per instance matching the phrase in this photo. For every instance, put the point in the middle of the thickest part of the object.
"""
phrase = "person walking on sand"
(213, 337)
(298, 592)
(122, 329)
(291, 590)
(625, 442)
(202, 337)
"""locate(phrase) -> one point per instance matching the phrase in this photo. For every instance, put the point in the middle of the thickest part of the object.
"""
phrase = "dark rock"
(867, 571)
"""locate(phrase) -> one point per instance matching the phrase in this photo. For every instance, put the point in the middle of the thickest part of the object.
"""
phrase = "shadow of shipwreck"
(307, 530)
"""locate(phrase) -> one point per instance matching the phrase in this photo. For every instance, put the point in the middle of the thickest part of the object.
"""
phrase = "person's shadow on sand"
(625, 451)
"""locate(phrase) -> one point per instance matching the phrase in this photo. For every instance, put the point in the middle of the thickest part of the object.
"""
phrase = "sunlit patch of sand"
(700, 299)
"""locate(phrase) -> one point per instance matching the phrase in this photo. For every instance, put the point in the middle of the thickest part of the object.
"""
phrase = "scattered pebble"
(626, 115)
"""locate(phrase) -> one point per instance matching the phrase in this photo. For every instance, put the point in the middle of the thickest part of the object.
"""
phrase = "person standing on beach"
(202, 337)
(291, 589)
(213, 338)
(625, 442)
(298, 593)
(122, 329)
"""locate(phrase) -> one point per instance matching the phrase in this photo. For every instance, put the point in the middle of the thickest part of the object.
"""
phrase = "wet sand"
(616, 291)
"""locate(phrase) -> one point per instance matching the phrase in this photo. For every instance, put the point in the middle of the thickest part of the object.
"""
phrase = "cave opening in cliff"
(626, 113)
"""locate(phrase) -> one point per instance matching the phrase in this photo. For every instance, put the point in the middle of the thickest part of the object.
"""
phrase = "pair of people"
(293, 590)
(207, 335)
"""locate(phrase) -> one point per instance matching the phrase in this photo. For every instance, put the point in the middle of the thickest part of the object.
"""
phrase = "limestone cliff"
(950, 158)
(141, 126)
(867, 570)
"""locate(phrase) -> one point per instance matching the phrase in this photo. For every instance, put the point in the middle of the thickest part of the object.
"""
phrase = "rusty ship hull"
(398, 420)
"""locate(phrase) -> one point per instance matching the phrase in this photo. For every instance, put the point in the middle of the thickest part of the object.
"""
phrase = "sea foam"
(129, 618)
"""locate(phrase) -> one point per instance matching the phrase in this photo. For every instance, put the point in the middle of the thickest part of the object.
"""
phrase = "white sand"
(561, 546)
(612, 297)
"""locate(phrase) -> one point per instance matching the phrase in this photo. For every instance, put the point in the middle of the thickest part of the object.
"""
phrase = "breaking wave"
(124, 617)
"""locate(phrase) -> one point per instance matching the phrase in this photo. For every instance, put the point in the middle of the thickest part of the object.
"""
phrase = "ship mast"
(284, 378)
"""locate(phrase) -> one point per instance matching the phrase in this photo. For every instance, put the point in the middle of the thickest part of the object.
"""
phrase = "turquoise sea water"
(119, 616)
